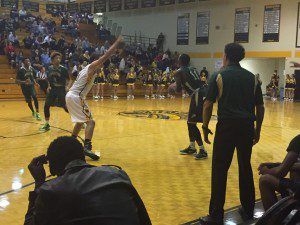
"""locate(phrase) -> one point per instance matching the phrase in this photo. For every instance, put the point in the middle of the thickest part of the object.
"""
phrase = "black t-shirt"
(294, 145)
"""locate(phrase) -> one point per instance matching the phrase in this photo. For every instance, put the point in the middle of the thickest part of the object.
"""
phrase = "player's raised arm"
(98, 63)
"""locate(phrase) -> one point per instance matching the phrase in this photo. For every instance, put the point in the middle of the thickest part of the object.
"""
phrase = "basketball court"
(143, 137)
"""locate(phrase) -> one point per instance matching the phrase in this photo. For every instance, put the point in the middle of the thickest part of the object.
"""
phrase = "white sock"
(192, 145)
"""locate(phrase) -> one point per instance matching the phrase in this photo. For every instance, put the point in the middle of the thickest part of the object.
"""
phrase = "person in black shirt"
(273, 174)
(187, 78)
(204, 72)
(81, 194)
(239, 95)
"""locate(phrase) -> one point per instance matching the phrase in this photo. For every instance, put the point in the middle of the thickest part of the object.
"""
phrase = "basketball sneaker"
(37, 116)
(88, 152)
(46, 127)
(202, 154)
(188, 151)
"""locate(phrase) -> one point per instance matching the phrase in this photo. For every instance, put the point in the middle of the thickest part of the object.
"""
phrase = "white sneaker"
(132, 96)
(147, 97)
(101, 97)
(128, 97)
(153, 97)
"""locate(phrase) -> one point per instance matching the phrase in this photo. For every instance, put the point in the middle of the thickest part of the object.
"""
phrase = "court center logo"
(156, 114)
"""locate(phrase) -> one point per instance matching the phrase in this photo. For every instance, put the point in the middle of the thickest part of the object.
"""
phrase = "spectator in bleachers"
(28, 41)
(38, 42)
(45, 59)
(35, 53)
(85, 44)
(85, 57)
(90, 18)
(13, 39)
(160, 41)
(22, 14)
(61, 43)
(19, 59)
(36, 63)
(104, 48)
(2, 43)
(12, 59)
(9, 48)
(41, 78)
(273, 175)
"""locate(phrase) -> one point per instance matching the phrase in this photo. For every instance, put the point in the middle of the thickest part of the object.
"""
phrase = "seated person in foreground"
(81, 194)
(272, 179)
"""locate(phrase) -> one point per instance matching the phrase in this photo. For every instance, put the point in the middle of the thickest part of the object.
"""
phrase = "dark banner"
(166, 2)
(99, 6)
(241, 25)
(185, 1)
(9, 3)
(31, 6)
(148, 3)
(202, 30)
(183, 23)
(50, 8)
(272, 23)
(72, 7)
(115, 5)
(131, 4)
(86, 7)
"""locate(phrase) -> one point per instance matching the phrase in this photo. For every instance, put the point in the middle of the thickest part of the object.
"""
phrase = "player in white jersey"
(75, 98)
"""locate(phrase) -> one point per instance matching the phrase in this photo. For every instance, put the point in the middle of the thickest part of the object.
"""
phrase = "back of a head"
(184, 60)
(95, 56)
(62, 151)
(234, 52)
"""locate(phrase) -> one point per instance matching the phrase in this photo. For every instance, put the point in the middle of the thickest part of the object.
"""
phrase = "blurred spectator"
(36, 63)
(9, 48)
(45, 59)
(28, 41)
(160, 41)
(22, 14)
(41, 78)
(19, 59)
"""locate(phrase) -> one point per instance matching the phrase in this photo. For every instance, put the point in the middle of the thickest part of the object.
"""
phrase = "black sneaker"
(188, 151)
(88, 152)
(245, 216)
(201, 155)
(46, 127)
(208, 220)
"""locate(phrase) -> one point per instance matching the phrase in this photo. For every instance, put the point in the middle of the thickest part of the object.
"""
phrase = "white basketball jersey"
(81, 86)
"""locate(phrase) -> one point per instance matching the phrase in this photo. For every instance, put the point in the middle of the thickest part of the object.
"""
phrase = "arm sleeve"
(212, 90)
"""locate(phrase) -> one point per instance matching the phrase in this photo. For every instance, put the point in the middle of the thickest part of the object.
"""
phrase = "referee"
(240, 104)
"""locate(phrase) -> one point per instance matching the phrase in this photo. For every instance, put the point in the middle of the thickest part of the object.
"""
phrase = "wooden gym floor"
(175, 188)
